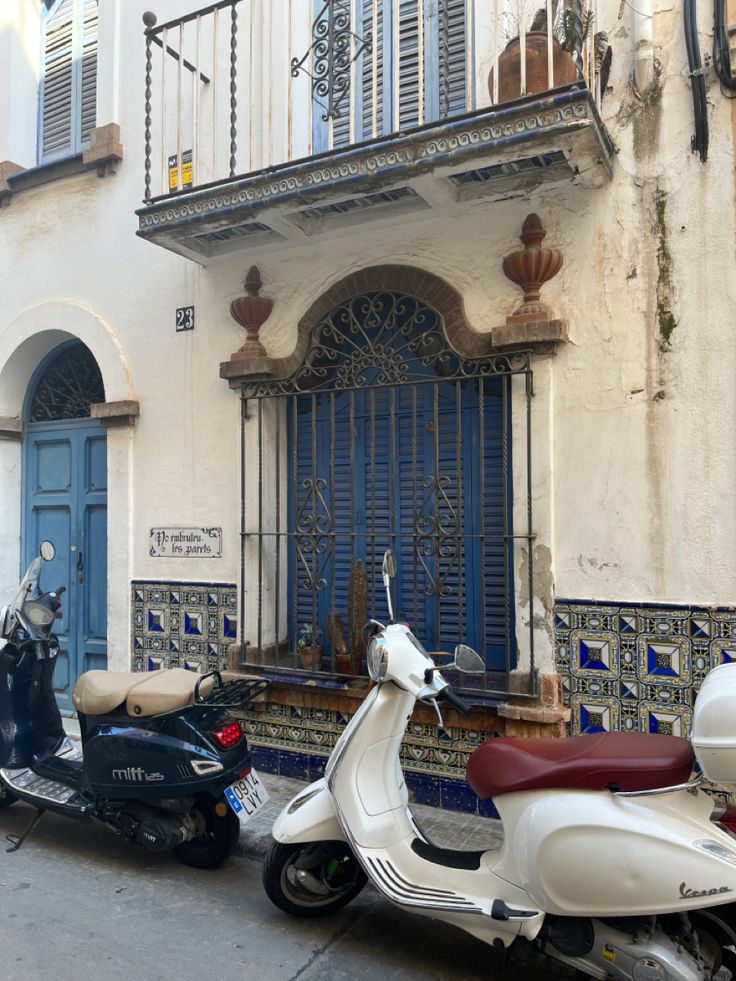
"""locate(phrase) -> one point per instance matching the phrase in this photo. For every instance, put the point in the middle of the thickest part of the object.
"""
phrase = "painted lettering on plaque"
(186, 543)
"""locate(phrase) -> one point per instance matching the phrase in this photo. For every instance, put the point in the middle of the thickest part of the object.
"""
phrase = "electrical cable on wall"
(697, 80)
(721, 53)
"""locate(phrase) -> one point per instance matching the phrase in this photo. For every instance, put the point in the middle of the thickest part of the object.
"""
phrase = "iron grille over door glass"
(383, 437)
(400, 64)
(68, 386)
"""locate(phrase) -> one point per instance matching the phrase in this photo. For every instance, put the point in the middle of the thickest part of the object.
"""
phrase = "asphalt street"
(79, 904)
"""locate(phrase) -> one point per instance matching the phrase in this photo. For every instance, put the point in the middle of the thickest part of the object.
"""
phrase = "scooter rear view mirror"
(467, 660)
(388, 570)
(47, 550)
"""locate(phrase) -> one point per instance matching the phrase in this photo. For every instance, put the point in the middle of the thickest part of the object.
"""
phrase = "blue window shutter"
(444, 69)
(452, 67)
(69, 78)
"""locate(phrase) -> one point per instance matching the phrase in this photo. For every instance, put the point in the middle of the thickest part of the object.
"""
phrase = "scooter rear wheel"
(216, 842)
(312, 878)
(6, 798)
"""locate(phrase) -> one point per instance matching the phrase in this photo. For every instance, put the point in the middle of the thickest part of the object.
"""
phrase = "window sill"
(24, 180)
(103, 154)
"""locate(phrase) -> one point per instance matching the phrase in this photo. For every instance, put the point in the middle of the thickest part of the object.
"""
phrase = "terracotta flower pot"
(348, 663)
(311, 658)
(509, 67)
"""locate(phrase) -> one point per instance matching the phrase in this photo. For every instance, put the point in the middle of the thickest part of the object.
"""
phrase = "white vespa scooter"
(612, 859)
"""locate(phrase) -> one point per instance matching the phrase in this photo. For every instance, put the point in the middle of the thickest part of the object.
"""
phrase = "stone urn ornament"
(530, 268)
(251, 312)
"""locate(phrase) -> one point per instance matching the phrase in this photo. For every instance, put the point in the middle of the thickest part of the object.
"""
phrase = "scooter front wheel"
(217, 840)
(312, 878)
(6, 798)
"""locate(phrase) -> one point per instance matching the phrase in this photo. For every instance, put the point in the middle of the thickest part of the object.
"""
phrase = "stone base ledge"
(534, 713)
(11, 427)
(542, 337)
(113, 414)
(542, 716)
(7, 168)
(235, 372)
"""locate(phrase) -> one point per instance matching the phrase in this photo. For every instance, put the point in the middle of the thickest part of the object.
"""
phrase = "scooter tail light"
(228, 735)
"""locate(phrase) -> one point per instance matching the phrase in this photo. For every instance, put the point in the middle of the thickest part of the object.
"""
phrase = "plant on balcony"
(571, 27)
(309, 645)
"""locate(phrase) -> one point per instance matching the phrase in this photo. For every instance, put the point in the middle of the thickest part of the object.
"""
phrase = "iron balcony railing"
(244, 85)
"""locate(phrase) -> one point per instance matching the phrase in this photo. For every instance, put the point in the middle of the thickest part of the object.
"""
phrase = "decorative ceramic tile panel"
(637, 668)
(182, 624)
(296, 741)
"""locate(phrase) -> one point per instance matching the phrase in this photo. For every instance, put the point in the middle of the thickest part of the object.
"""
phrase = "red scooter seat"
(617, 760)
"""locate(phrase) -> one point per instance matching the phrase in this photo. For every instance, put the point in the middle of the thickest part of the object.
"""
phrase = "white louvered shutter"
(58, 82)
(88, 81)
(69, 82)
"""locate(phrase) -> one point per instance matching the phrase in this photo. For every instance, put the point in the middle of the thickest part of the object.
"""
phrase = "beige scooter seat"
(145, 693)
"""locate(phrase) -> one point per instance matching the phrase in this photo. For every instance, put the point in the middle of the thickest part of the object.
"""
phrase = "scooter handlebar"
(459, 703)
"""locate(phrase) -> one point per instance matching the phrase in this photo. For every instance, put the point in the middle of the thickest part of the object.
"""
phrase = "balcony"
(268, 123)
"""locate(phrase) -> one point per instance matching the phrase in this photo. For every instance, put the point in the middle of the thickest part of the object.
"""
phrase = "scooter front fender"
(310, 816)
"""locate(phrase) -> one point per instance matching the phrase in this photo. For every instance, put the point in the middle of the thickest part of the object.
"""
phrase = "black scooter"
(162, 762)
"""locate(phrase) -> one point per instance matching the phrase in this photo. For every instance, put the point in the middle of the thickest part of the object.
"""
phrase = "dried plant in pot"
(571, 27)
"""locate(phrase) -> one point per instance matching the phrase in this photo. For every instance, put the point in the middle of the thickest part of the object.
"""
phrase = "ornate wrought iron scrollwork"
(381, 338)
(332, 55)
(69, 385)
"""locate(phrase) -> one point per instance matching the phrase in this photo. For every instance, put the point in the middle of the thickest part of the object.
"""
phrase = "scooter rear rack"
(230, 694)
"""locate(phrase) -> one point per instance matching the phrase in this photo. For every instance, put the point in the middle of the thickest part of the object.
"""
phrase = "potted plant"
(571, 27)
(309, 646)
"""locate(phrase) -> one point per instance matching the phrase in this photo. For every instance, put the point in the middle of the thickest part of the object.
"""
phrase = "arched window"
(70, 383)
(67, 110)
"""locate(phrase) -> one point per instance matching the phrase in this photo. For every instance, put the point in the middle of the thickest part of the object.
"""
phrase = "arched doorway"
(65, 500)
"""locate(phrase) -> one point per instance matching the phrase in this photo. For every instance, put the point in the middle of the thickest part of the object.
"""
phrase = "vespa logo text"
(686, 893)
(136, 773)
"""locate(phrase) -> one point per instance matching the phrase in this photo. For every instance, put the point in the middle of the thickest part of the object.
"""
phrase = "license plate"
(247, 796)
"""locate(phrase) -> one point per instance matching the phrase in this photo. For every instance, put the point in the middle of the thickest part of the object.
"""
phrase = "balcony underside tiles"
(492, 154)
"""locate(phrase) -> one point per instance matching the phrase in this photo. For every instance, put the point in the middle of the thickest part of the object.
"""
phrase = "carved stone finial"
(530, 269)
(251, 312)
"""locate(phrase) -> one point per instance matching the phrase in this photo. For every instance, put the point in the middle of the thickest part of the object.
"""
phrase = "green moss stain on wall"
(666, 322)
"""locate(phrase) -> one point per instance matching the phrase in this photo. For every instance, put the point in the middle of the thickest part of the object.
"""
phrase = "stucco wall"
(634, 469)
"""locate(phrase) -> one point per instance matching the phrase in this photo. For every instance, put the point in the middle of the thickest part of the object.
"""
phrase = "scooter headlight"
(377, 659)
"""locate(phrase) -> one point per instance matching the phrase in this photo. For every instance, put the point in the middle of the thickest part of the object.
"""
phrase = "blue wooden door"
(65, 477)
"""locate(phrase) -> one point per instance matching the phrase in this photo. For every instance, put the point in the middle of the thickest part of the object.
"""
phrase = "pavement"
(80, 904)
(446, 829)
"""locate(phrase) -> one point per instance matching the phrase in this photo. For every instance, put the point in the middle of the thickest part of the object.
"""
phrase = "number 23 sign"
(184, 318)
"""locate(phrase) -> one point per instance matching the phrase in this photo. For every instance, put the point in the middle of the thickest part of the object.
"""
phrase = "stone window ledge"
(103, 154)
(11, 428)
(115, 414)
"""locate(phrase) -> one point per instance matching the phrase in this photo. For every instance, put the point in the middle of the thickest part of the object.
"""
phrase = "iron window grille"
(383, 437)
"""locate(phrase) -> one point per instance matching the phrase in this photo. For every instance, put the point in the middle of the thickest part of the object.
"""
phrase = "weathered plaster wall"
(634, 473)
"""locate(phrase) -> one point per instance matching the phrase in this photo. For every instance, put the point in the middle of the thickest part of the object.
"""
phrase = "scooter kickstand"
(17, 840)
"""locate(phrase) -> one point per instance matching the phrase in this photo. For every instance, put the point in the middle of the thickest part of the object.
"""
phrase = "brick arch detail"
(435, 292)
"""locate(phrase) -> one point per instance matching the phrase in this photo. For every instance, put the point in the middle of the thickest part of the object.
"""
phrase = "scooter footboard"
(310, 816)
